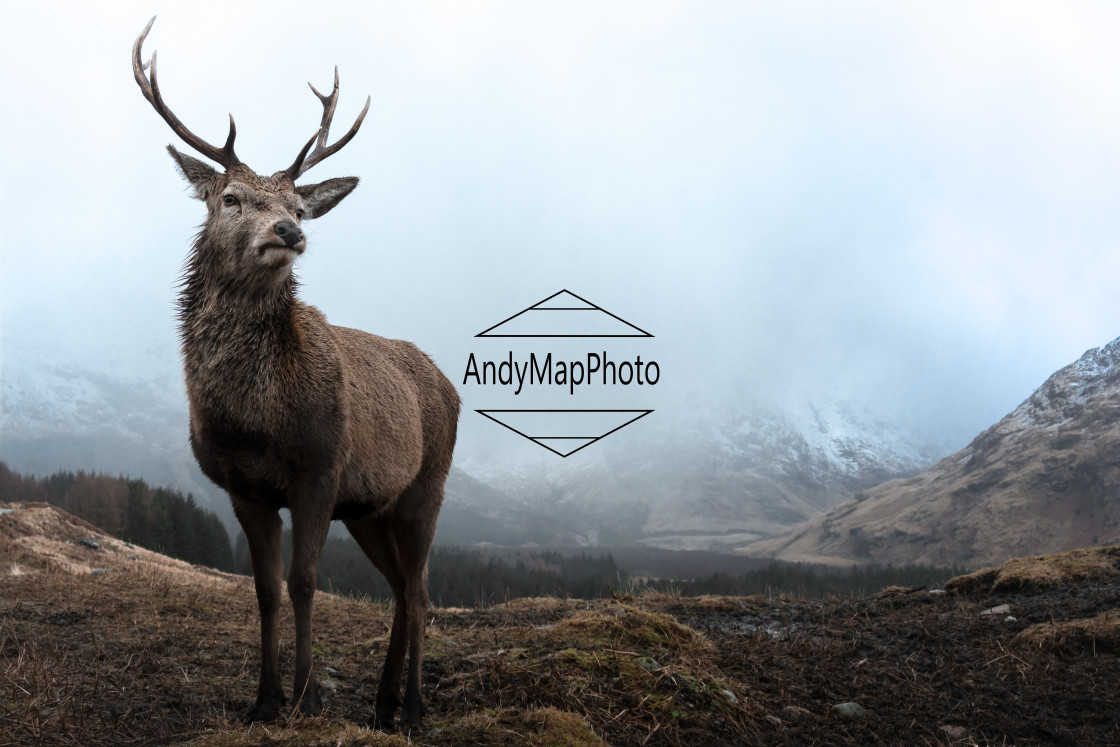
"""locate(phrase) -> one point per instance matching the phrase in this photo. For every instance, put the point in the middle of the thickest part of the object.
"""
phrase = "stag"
(288, 411)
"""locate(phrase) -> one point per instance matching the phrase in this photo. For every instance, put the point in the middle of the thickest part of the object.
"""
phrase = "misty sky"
(875, 200)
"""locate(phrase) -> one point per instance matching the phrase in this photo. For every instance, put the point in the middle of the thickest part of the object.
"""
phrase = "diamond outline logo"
(563, 306)
(557, 302)
(541, 440)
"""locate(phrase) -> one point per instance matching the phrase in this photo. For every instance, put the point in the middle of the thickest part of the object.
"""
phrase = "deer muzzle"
(289, 234)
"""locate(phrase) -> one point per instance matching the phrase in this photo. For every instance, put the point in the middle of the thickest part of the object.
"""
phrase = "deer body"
(288, 411)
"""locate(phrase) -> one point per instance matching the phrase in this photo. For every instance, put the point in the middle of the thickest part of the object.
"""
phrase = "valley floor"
(140, 655)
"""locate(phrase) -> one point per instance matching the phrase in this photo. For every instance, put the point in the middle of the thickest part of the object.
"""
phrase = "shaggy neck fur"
(236, 341)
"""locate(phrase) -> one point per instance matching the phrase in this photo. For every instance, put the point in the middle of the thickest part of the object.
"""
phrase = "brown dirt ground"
(156, 653)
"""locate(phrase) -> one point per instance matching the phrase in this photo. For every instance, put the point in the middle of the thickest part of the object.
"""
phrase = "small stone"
(795, 713)
(849, 710)
(954, 732)
(1003, 609)
(774, 720)
(91, 543)
(647, 663)
(328, 685)
(936, 591)
(735, 701)
(1010, 619)
(99, 571)
(330, 670)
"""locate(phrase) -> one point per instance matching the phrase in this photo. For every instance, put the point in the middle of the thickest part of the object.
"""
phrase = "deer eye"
(229, 200)
(299, 215)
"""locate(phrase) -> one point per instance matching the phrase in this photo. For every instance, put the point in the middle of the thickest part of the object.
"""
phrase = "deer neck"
(237, 347)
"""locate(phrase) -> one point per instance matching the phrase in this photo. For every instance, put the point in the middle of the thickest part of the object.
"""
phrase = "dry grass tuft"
(1096, 635)
(629, 627)
(540, 727)
(313, 732)
(1041, 573)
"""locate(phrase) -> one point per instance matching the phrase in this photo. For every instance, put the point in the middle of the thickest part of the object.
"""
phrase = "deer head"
(253, 225)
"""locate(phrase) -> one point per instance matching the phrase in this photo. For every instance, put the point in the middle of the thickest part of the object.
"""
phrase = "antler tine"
(150, 88)
(329, 104)
(304, 161)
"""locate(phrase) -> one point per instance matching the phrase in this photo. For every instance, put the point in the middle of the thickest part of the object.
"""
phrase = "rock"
(1010, 619)
(954, 732)
(796, 713)
(1003, 609)
(735, 701)
(936, 591)
(647, 663)
(328, 685)
(91, 543)
(849, 710)
(772, 719)
(99, 571)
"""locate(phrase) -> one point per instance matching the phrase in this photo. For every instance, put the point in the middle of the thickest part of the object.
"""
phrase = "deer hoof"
(265, 710)
(384, 718)
(310, 705)
(412, 715)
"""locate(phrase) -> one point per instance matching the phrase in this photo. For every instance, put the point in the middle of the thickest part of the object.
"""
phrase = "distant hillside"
(156, 518)
(1044, 479)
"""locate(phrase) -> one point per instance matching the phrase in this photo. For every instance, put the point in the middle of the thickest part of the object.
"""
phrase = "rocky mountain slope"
(1045, 478)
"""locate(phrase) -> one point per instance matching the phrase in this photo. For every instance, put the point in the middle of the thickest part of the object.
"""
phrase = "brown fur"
(288, 411)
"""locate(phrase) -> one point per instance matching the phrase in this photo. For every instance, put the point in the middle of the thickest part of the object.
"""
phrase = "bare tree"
(288, 411)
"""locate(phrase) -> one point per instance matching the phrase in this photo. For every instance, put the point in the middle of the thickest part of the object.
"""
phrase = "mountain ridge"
(1042, 479)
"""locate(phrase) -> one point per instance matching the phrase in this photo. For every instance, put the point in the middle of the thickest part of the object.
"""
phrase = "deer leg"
(262, 530)
(380, 547)
(413, 529)
(414, 540)
(310, 524)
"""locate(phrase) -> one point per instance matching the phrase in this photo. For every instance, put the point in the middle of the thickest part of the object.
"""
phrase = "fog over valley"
(857, 236)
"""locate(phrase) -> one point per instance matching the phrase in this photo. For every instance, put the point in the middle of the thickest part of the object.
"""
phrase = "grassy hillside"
(155, 651)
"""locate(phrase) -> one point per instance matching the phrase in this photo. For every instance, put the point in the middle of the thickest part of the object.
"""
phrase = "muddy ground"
(144, 655)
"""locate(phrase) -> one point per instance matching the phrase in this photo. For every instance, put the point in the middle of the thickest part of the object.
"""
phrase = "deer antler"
(304, 161)
(224, 155)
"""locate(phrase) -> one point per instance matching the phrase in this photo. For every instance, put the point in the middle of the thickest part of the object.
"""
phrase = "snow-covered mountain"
(721, 478)
(1044, 479)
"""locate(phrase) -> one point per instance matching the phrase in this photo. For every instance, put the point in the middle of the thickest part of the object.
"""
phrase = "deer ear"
(318, 199)
(201, 175)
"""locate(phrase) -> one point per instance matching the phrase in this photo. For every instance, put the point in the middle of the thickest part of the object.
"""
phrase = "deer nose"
(289, 233)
